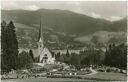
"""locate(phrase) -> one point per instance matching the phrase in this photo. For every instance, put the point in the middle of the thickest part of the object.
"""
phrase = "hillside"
(62, 28)
(117, 26)
(60, 20)
(103, 37)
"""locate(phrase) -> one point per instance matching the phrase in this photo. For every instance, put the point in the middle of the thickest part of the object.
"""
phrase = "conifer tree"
(3, 46)
(67, 53)
(31, 55)
(9, 46)
(116, 56)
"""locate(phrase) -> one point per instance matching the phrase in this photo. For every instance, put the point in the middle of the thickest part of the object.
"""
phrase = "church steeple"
(40, 37)
(45, 55)
(40, 31)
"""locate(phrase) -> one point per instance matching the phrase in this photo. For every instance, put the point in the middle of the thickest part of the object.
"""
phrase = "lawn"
(107, 76)
(46, 80)
(99, 77)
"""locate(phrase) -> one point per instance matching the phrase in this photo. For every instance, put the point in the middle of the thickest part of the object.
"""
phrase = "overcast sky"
(110, 10)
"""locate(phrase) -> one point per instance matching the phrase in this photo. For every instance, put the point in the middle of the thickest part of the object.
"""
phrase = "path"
(40, 64)
(92, 72)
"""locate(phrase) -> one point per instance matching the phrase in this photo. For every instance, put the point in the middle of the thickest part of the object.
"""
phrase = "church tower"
(40, 39)
(44, 53)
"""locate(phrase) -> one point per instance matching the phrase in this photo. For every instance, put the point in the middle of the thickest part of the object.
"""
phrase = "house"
(65, 51)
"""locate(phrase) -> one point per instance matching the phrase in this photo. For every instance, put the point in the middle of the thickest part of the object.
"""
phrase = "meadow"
(99, 77)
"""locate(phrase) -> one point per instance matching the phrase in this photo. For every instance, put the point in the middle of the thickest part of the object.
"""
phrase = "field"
(108, 76)
(96, 77)
(46, 80)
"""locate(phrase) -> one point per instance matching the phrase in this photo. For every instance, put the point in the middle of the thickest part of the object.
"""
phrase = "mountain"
(116, 32)
(60, 20)
(117, 26)
(103, 37)
(60, 27)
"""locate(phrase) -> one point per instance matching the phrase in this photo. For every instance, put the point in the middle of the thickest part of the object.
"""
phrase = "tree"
(57, 56)
(116, 56)
(75, 59)
(92, 57)
(67, 53)
(32, 55)
(9, 46)
(4, 66)
(24, 60)
(95, 40)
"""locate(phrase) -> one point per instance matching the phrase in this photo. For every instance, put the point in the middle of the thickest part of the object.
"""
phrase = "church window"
(45, 61)
(45, 55)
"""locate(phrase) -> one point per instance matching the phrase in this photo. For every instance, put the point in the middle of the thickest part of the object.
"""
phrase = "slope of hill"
(103, 37)
(62, 27)
(60, 20)
(117, 26)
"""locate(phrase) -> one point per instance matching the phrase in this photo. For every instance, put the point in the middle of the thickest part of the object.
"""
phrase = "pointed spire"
(40, 30)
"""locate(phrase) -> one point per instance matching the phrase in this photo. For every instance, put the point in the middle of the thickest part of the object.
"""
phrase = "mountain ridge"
(66, 26)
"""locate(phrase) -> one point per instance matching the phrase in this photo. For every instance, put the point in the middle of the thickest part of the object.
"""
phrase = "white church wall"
(49, 55)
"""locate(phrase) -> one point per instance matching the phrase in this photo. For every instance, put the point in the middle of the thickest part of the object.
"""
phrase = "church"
(44, 54)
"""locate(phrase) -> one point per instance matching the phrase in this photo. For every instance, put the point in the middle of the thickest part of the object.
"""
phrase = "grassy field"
(99, 77)
(46, 80)
(108, 76)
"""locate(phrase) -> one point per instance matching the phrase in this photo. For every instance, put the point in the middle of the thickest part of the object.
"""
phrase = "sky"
(110, 10)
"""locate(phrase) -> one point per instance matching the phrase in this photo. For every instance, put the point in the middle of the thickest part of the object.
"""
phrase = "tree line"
(10, 57)
(85, 57)
(114, 56)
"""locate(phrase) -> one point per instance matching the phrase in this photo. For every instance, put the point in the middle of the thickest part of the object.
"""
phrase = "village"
(63, 41)
(50, 64)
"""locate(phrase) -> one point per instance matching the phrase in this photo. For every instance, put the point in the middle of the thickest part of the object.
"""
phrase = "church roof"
(35, 52)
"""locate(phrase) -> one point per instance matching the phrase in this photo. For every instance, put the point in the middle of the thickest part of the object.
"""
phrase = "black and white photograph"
(63, 41)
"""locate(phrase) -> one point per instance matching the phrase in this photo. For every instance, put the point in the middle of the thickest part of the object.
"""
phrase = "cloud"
(107, 10)
(31, 7)
(114, 18)
(76, 6)
(79, 10)
(74, 3)
(11, 5)
(95, 15)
